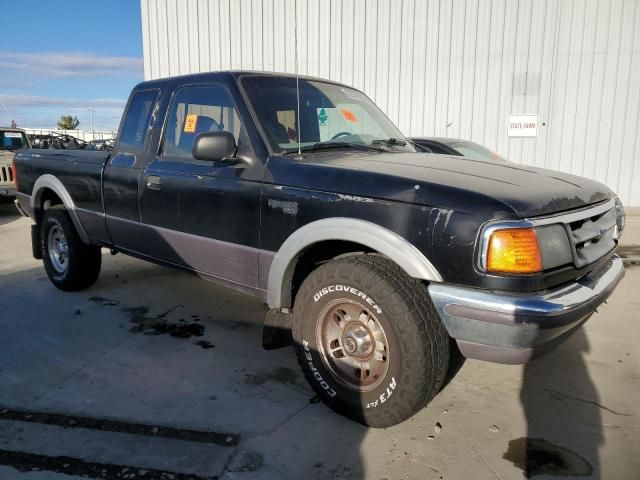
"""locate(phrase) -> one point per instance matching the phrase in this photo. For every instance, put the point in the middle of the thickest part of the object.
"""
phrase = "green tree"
(67, 122)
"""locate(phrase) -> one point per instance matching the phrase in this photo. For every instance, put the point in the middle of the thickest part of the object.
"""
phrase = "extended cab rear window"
(136, 121)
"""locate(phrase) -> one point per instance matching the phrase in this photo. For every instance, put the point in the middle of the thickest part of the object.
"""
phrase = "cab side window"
(136, 121)
(197, 109)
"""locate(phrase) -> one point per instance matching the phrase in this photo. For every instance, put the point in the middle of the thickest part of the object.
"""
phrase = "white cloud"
(70, 64)
(33, 101)
(8, 85)
(43, 112)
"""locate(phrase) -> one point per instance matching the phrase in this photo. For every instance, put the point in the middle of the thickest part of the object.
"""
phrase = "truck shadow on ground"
(563, 415)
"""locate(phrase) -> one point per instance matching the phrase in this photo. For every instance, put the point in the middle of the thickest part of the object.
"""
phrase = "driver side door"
(204, 214)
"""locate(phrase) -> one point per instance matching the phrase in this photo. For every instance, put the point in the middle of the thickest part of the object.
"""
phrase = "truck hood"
(529, 191)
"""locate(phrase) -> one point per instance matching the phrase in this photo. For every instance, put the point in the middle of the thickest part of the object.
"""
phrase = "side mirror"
(213, 146)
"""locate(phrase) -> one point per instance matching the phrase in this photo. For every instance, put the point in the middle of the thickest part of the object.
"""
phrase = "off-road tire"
(418, 344)
(84, 261)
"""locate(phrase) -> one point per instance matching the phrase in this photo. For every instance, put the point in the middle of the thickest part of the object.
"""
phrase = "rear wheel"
(70, 263)
(368, 340)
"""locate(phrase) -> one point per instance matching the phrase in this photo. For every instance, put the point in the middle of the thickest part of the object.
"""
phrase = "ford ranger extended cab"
(11, 140)
(380, 263)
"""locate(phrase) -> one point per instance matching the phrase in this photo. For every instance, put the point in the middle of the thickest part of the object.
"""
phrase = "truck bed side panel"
(80, 173)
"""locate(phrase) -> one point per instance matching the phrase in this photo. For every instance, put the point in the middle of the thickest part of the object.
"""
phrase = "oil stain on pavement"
(159, 325)
(536, 456)
(105, 302)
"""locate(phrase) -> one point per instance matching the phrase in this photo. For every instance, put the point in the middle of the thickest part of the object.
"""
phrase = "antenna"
(295, 27)
(5, 109)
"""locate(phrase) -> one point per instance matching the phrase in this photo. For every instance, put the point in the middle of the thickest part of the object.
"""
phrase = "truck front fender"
(49, 182)
(365, 233)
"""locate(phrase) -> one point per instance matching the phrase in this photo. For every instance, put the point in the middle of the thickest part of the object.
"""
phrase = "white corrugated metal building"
(456, 68)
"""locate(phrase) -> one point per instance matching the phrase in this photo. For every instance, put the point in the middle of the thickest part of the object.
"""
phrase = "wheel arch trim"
(49, 182)
(368, 234)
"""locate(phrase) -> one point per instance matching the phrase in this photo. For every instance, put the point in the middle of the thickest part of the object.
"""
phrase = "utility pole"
(91, 109)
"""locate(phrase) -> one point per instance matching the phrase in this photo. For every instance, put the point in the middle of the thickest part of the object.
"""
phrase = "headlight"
(514, 250)
(620, 219)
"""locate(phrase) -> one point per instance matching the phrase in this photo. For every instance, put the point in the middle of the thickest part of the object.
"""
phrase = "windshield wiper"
(356, 146)
(390, 142)
(329, 144)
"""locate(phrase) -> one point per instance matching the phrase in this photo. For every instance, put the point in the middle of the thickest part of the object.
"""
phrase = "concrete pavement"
(154, 373)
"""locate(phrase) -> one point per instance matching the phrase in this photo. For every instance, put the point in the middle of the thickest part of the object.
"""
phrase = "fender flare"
(49, 182)
(369, 234)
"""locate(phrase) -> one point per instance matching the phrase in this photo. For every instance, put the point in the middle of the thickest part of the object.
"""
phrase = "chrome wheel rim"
(353, 345)
(58, 249)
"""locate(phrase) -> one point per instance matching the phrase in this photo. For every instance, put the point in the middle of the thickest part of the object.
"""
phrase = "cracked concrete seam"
(559, 395)
(278, 426)
(477, 452)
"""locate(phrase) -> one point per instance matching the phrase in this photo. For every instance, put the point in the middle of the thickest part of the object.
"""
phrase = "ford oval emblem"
(601, 232)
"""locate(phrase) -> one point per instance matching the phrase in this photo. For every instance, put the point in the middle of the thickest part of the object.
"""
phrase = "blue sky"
(62, 57)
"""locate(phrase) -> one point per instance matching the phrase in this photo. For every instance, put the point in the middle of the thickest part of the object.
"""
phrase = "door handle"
(154, 183)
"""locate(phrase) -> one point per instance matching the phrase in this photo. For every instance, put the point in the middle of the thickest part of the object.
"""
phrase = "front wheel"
(369, 340)
(70, 263)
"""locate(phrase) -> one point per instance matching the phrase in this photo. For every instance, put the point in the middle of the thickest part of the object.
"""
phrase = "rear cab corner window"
(12, 140)
(196, 109)
(135, 126)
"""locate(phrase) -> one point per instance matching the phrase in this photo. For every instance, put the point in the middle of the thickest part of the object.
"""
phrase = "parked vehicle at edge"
(456, 147)
(11, 140)
(59, 141)
(381, 263)
(104, 144)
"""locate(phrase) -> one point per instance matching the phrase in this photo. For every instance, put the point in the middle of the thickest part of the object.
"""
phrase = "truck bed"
(79, 171)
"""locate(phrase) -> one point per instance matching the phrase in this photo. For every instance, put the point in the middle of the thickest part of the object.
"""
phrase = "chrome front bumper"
(514, 328)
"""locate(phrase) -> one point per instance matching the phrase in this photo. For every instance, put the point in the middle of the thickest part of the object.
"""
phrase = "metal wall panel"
(453, 68)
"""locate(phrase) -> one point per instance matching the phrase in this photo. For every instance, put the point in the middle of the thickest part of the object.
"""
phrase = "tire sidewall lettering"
(384, 396)
(316, 374)
(345, 288)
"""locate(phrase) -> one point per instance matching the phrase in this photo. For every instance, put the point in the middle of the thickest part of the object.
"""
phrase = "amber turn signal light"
(514, 250)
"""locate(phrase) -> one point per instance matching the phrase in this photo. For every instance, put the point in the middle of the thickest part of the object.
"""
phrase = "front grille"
(592, 234)
(6, 174)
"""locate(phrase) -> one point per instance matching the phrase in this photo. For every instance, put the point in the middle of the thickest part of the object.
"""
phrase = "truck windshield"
(330, 116)
(12, 140)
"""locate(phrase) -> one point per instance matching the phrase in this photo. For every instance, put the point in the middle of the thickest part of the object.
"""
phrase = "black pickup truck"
(380, 263)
